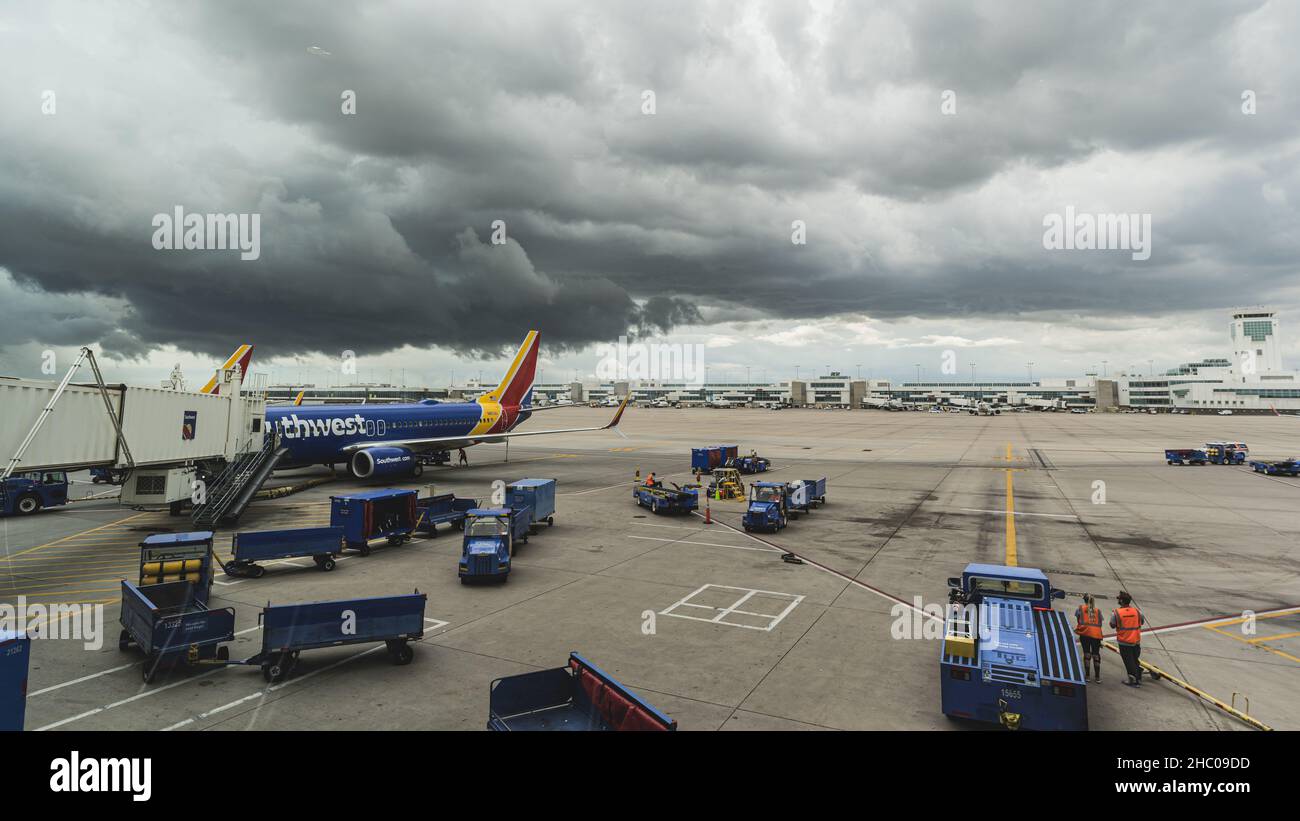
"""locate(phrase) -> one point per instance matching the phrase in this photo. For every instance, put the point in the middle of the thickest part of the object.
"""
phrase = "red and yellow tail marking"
(242, 356)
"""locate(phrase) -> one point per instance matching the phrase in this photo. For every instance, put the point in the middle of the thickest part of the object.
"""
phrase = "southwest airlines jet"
(242, 356)
(386, 440)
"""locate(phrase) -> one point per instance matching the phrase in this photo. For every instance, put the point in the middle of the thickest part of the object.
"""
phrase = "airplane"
(242, 356)
(388, 440)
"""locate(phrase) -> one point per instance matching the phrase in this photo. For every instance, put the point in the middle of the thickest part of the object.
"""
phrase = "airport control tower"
(1254, 339)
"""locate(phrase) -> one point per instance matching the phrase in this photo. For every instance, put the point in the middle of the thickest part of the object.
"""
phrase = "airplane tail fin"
(242, 356)
(518, 381)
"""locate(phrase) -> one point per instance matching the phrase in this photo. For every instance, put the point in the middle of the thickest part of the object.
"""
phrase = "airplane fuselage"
(326, 434)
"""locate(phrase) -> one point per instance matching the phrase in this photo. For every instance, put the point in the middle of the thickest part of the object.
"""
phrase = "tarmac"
(707, 622)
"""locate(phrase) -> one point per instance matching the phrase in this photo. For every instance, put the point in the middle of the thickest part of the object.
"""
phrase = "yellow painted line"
(1011, 515)
(1290, 611)
(1248, 643)
(1282, 636)
(75, 535)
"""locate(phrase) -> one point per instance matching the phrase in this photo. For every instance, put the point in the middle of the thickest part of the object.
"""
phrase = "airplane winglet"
(613, 425)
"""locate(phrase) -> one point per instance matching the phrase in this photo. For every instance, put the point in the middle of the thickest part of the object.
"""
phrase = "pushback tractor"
(1008, 657)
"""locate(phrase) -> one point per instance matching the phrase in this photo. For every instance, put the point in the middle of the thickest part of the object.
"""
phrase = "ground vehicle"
(1007, 656)
(660, 499)
(726, 484)
(432, 511)
(491, 537)
(537, 496)
(1225, 412)
(579, 696)
(101, 475)
(178, 557)
(1078, 410)
(1285, 467)
(768, 507)
(712, 456)
(805, 494)
(29, 492)
(1185, 456)
(322, 544)
(289, 629)
(377, 514)
(15, 656)
(171, 623)
(1227, 453)
(753, 463)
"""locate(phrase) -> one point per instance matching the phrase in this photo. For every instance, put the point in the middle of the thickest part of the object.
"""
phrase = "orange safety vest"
(1089, 623)
(1128, 625)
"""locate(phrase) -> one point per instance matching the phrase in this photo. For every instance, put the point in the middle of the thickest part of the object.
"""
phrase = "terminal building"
(1253, 380)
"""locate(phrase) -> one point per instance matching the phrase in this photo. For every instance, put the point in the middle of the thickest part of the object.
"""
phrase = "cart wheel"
(364, 550)
(404, 655)
(266, 672)
(328, 564)
(257, 571)
(123, 641)
(223, 654)
(550, 521)
(464, 580)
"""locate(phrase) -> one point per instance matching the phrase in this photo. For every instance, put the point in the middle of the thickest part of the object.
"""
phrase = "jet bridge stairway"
(237, 484)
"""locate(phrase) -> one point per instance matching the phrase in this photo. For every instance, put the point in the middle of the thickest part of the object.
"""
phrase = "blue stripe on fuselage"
(316, 435)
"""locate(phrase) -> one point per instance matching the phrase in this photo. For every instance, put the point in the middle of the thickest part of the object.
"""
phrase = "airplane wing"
(461, 441)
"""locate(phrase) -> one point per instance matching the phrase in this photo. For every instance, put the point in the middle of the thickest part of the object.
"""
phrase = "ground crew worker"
(464, 460)
(1128, 621)
(1088, 625)
(650, 479)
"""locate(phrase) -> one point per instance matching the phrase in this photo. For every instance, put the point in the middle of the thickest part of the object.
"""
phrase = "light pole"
(1103, 368)
(918, 371)
(1031, 370)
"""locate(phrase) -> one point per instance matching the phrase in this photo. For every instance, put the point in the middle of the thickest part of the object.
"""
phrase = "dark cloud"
(376, 228)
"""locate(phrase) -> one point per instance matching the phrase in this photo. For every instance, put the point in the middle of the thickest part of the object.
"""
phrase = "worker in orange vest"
(1128, 621)
(1088, 626)
(650, 479)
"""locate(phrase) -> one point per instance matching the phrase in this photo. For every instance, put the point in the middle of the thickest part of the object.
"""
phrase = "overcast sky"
(924, 211)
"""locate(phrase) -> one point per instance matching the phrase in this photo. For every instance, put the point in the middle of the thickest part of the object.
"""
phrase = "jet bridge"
(149, 431)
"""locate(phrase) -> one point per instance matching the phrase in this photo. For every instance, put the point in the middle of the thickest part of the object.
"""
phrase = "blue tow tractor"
(579, 696)
(769, 507)
(15, 656)
(658, 498)
(28, 493)
(491, 537)
(322, 544)
(753, 463)
(377, 514)
(1227, 453)
(1008, 658)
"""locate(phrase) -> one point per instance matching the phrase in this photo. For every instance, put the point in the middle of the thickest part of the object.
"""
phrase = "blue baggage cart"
(805, 494)
(15, 657)
(289, 629)
(442, 509)
(707, 458)
(579, 696)
(170, 623)
(538, 495)
(376, 514)
(322, 544)
(1185, 456)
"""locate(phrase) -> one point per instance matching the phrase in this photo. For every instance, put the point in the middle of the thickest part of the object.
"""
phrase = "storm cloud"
(527, 123)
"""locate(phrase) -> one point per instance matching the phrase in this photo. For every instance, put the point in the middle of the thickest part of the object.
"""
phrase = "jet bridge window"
(1006, 587)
